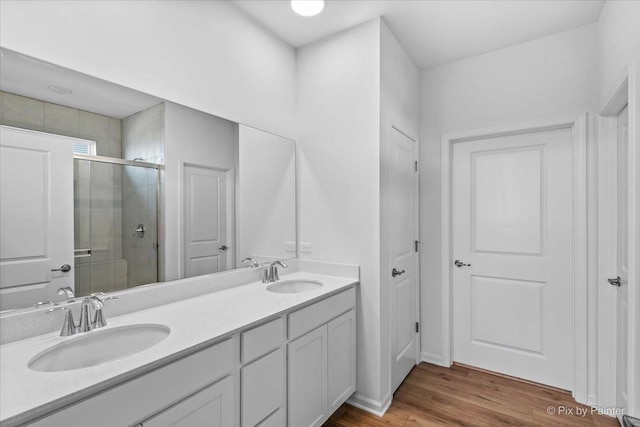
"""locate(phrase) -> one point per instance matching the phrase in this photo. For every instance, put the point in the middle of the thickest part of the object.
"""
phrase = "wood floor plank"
(434, 396)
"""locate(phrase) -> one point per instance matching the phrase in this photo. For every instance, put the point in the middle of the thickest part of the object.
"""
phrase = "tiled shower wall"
(98, 186)
(143, 139)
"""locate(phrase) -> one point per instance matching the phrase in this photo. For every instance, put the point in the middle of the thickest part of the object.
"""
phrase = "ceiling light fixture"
(61, 90)
(307, 7)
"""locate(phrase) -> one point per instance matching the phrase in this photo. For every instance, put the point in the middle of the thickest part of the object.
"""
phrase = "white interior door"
(36, 216)
(206, 249)
(403, 295)
(622, 257)
(512, 222)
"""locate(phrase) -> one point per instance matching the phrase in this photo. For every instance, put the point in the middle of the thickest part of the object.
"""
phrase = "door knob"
(614, 282)
(65, 268)
(395, 272)
(223, 247)
(459, 263)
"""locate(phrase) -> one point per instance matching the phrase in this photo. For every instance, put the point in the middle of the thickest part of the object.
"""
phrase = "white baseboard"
(434, 359)
(369, 405)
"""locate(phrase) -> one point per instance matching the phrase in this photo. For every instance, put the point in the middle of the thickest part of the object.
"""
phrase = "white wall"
(339, 182)
(618, 40)
(399, 106)
(266, 193)
(205, 54)
(547, 77)
(193, 137)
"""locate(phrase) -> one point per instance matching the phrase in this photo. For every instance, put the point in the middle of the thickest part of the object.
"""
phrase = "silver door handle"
(223, 247)
(614, 282)
(395, 272)
(459, 263)
(65, 268)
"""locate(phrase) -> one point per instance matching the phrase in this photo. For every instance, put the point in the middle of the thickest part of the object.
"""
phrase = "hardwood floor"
(458, 396)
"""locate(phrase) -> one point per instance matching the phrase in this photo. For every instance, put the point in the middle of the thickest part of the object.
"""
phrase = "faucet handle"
(69, 326)
(41, 303)
(66, 291)
(252, 262)
(99, 320)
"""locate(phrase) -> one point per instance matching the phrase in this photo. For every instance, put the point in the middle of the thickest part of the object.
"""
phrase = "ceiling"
(433, 32)
(26, 76)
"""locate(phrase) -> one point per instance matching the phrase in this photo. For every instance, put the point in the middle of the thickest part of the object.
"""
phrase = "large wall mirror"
(104, 188)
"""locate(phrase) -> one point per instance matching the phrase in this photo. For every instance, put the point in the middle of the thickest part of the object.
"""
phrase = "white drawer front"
(275, 420)
(262, 339)
(211, 407)
(262, 387)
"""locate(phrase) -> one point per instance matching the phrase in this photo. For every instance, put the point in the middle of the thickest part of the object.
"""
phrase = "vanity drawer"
(262, 387)
(150, 392)
(262, 339)
(309, 318)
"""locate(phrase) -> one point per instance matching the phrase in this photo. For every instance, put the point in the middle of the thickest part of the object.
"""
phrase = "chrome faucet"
(252, 262)
(86, 324)
(272, 274)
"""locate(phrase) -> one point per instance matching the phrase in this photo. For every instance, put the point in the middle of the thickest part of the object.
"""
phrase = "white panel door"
(205, 221)
(36, 216)
(622, 257)
(403, 295)
(211, 407)
(512, 222)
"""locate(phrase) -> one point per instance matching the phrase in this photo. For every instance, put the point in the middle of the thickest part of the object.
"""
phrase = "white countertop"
(194, 323)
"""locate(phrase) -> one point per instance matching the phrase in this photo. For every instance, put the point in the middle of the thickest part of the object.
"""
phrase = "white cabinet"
(341, 360)
(242, 380)
(142, 397)
(211, 407)
(307, 401)
(321, 363)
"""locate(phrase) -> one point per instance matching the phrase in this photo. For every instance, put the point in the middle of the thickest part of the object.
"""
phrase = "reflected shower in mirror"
(159, 191)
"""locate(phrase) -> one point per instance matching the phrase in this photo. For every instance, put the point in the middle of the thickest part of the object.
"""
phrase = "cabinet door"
(307, 402)
(341, 359)
(262, 387)
(211, 407)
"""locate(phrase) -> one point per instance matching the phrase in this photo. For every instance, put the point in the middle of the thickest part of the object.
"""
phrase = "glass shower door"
(116, 221)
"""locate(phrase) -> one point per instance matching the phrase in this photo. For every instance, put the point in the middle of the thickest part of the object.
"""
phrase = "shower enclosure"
(115, 223)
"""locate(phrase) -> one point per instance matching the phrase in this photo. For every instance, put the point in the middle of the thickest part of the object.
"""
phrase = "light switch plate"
(306, 248)
(289, 246)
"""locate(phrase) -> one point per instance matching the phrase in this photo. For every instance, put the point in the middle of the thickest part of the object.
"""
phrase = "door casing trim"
(578, 126)
(624, 91)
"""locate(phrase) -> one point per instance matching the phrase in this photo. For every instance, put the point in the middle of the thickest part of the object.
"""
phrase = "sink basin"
(98, 347)
(294, 286)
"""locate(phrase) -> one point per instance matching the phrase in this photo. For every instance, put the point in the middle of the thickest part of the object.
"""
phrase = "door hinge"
(416, 164)
(417, 327)
(417, 245)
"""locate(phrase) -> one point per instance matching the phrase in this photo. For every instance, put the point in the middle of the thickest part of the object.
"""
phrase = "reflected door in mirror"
(36, 202)
(207, 233)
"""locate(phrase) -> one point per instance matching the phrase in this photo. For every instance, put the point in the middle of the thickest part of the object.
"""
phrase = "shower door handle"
(65, 268)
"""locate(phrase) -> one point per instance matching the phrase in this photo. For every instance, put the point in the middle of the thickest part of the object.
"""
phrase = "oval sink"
(294, 286)
(98, 347)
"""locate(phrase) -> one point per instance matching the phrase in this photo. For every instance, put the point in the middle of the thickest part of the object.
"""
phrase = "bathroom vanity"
(241, 356)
